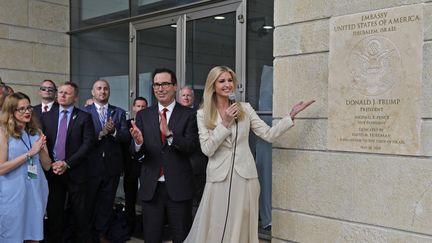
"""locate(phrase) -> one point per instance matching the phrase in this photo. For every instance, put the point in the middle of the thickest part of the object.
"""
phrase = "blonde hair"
(8, 120)
(209, 97)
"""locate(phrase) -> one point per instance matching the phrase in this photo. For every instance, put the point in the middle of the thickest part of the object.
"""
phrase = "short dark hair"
(165, 70)
(52, 82)
(139, 98)
(73, 85)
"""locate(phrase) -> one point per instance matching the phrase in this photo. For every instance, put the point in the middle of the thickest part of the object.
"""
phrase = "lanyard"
(30, 161)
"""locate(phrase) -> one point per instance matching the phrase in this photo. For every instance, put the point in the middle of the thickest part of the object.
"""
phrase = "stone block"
(428, 21)
(59, 2)
(288, 12)
(306, 228)
(39, 36)
(306, 134)
(4, 31)
(390, 191)
(426, 137)
(14, 12)
(301, 38)
(26, 77)
(16, 55)
(297, 78)
(51, 58)
(426, 111)
(48, 16)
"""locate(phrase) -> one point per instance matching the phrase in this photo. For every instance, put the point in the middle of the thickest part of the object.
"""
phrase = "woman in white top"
(229, 207)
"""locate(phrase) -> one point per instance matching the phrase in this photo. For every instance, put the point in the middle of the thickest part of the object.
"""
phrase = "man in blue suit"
(111, 132)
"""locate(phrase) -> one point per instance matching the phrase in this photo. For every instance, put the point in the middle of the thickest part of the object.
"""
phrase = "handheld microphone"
(232, 98)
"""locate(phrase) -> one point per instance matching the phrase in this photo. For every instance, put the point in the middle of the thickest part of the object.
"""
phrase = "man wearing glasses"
(47, 92)
(166, 134)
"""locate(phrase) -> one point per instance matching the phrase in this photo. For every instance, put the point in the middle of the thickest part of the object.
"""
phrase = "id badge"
(32, 171)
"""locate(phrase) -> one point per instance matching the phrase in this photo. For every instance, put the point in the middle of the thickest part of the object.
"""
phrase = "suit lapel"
(95, 118)
(54, 115)
(229, 138)
(175, 115)
(72, 120)
(110, 112)
(155, 122)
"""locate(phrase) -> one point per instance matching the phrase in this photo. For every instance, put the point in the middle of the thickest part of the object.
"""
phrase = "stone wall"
(320, 195)
(33, 43)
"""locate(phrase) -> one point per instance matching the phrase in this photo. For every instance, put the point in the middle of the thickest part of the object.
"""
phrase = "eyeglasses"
(164, 85)
(24, 109)
(49, 89)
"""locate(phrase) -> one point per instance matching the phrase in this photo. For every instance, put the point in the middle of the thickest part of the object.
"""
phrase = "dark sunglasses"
(49, 89)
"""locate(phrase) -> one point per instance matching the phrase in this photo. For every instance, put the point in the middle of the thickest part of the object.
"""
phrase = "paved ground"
(136, 240)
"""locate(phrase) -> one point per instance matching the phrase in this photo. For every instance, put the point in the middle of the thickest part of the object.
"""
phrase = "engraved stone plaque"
(375, 72)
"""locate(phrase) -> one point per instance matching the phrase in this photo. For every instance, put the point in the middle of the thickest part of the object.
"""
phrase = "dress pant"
(66, 196)
(178, 214)
(130, 187)
(101, 196)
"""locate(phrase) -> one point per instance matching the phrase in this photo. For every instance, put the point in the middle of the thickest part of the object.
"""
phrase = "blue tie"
(102, 116)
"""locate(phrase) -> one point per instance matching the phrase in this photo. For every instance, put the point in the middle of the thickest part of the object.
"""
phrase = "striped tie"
(102, 115)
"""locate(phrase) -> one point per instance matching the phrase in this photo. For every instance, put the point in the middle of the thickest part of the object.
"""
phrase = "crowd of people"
(195, 169)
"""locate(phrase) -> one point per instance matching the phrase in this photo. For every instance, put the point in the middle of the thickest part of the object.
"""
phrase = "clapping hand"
(38, 145)
(136, 133)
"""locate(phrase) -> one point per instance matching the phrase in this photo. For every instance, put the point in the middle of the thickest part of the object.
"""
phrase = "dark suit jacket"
(174, 158)
(37, 109)
(107, 155)
(79, 141)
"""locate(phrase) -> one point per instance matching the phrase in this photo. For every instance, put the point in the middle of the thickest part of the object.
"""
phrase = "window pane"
(259, 54)
(147, 6)
(156, 49)
(90, 12)
(209, 42)
(102, 54)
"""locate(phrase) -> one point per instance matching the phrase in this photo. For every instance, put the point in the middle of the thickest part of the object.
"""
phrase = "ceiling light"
(219, 17)
(174, 25)
(267, 27)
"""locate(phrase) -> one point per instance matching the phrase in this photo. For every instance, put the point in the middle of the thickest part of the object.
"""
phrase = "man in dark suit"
(132, 169)
(166, 134)
(198, 159)
(47, 92)
(70, 136)
(111, 133)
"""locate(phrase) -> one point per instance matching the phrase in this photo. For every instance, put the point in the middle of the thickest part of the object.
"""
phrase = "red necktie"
(45, 108)
(164, 111)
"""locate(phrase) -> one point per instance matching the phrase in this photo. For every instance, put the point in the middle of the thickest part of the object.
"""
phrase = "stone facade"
(321, 195)
(33, 43)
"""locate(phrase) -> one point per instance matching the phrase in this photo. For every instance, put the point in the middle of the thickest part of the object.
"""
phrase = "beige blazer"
(218, 144)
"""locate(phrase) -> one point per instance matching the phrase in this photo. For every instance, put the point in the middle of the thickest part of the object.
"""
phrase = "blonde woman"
(229, 207)
(23, 187)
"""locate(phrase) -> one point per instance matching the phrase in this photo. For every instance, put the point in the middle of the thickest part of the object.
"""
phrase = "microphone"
(232, 98)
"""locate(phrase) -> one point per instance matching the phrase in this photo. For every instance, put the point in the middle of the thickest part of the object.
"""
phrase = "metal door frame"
(180, 18)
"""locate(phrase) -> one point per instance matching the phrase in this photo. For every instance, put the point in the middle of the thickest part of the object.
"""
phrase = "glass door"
(155, 48)
(190, 43)
(210, 42)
